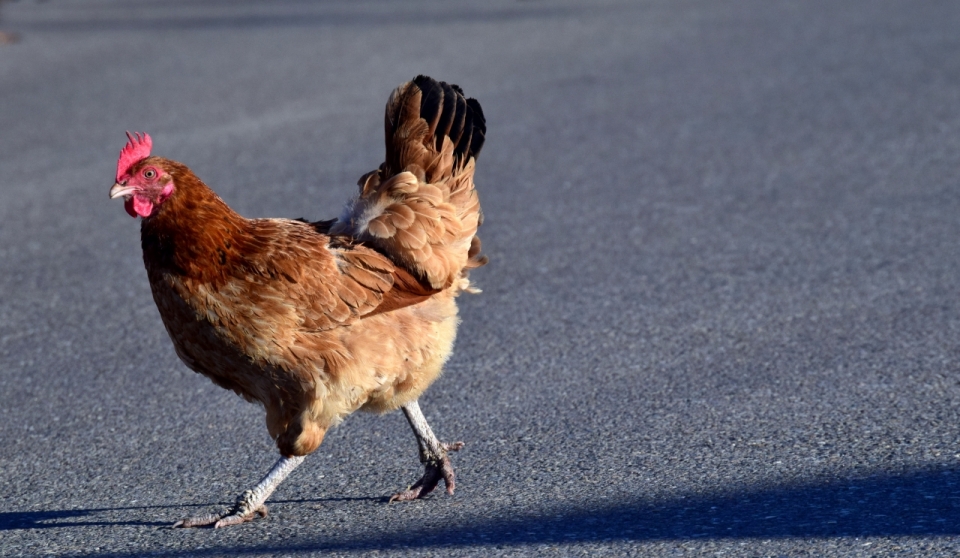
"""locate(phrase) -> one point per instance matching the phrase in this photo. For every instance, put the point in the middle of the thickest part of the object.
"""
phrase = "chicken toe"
(433, 473)
(234, 516)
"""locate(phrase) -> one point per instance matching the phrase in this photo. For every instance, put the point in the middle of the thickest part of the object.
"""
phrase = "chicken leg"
(433, 455)
(251, 502)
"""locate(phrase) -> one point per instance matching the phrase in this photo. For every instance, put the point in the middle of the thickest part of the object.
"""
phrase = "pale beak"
(120, 190)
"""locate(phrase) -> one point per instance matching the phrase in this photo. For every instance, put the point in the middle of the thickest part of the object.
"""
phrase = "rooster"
(317, 320)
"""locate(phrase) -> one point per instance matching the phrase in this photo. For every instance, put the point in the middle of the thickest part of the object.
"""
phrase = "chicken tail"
(420, 208)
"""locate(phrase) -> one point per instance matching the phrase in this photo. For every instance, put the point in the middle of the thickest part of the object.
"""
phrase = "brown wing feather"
(292, 275)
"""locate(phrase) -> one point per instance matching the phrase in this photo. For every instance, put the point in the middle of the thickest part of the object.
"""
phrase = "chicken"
(317, 320)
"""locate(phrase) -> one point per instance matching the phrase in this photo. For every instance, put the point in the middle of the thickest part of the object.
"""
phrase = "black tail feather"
(459, 118)
(446, 115)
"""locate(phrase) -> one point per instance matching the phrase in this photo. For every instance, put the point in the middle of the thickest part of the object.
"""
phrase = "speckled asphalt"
(721, 315)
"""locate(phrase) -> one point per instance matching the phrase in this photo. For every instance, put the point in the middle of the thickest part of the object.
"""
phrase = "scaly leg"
(433, 454)
(251, 502)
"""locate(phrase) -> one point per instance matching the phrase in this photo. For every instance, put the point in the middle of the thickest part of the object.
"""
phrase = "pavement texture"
(720, 318)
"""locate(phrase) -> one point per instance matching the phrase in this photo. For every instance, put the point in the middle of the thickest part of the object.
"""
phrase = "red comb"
(136, 149)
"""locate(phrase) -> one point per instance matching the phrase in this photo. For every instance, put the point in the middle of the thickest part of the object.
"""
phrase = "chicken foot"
(433, 455)
(251, 502)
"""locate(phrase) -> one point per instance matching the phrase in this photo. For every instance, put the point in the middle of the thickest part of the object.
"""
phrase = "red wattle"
(128, 206)
(143, 207)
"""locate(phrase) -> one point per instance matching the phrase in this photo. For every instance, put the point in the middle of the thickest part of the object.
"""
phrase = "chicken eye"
(149, 173)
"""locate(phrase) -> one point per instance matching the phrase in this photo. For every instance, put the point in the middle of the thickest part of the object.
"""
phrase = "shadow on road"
(66, 518)
(918, 503)
(75, 518)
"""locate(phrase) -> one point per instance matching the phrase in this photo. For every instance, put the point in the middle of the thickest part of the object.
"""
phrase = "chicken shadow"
(67, 518)
(918, 503)
(49, 519)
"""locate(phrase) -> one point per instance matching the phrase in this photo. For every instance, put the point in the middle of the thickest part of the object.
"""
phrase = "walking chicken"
(317, 320)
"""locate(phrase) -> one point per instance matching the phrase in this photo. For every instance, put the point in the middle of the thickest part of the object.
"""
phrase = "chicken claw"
(434, 471)
(234, 516)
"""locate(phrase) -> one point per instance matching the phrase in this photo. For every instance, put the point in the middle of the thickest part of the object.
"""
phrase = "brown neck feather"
(194, 233)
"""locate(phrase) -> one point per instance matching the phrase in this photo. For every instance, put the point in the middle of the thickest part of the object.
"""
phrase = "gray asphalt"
(720, 318)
